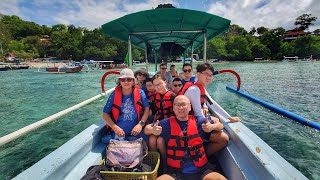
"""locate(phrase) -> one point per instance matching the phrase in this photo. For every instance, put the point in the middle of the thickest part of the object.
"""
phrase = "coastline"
(36, 65)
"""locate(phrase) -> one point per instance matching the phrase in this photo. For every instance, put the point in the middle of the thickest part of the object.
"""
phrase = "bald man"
(184, 136)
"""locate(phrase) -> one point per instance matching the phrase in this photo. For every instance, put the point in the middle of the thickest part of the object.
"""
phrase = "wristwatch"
(142, 123)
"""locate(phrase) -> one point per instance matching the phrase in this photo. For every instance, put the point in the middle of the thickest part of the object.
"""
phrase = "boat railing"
(16, 134)
(247, 156)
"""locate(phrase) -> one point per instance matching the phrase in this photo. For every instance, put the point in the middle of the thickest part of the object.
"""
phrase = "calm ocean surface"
(27, 96)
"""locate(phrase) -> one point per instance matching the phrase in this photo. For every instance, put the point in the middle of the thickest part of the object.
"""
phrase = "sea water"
(27, 96)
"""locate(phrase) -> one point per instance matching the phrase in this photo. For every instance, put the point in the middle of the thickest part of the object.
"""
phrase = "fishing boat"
(70, 68)
(246, 156)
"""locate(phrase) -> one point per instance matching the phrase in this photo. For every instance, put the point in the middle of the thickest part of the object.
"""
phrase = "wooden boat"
(246, 156)
(65, 69)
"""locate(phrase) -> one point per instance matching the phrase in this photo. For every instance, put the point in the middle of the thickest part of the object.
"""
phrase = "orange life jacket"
(117, 103)
(189, 84)
(150, 96)
(164, 105)
(180, 145)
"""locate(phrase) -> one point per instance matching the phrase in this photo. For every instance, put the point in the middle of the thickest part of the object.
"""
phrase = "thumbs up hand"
(207, 127)
(156, 128)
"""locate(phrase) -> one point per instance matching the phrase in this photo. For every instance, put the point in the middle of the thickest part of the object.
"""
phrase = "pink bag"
(126, 154)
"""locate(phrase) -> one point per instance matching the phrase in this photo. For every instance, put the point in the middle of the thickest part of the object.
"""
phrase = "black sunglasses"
(187, 70)
(126, 79)
(140, 74)
(176, 85)
(163, 68)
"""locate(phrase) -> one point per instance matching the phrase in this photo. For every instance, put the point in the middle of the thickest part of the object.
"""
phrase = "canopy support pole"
(146, 55)
(155, 59)
(191, 54)
(130, 52)
(184, 56)
(204, 47)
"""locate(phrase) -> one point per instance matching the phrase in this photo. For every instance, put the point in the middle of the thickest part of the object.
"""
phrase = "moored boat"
(65, 69)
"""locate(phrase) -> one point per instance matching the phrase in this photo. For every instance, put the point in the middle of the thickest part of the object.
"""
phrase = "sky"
(92, 14)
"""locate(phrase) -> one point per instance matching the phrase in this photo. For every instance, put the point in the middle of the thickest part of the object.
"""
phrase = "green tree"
(273, 41)
(257, 48)
(305, 20)
(238, 48)
(261, 30)
(252, 31)
(235, 30)
(286, 49)
(216, 48)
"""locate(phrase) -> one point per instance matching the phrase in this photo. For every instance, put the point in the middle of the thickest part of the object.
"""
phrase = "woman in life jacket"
(184, 136)
(150, 96)
(127, 109)
(163, 101)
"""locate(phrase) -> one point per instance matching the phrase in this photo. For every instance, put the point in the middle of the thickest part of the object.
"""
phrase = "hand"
(207, 127)
(156, 128)
(136, 130)
(119, 132)
(234, 119)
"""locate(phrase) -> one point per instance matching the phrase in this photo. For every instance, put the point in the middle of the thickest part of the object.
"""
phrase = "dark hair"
(177, 79)
(202, 67)
(148, 80)
(163, 64)
(157, 76)
(186, 64)
(172, 65)
(141, 71)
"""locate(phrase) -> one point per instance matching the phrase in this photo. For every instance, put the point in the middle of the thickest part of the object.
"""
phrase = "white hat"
(125, 73)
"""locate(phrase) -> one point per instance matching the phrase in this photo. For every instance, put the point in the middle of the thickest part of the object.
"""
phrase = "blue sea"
(27, 96)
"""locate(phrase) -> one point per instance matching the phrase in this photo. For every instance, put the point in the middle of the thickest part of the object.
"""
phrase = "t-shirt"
(188, 166)
(192, 79)
(128, 117)
(193, 93)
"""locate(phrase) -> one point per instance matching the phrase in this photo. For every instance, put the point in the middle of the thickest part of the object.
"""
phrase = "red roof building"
(294, 33)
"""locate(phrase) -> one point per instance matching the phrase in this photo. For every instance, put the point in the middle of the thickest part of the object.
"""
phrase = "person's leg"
(208, 174)
(218, 140)
(163, 151)
(165, 177)
(214, 176)
(152, 143)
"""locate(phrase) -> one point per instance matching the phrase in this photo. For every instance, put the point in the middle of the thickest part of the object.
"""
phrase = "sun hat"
(125, 73)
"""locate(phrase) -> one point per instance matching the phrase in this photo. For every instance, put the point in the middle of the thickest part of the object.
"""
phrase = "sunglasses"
(176, 85)
(187, 70)
(144, 75)
(163, 68)
(126, 79)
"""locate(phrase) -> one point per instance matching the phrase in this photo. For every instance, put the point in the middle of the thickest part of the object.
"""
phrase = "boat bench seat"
(72, 159)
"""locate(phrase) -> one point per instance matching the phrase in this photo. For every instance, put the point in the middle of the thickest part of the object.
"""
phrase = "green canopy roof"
(180, 26)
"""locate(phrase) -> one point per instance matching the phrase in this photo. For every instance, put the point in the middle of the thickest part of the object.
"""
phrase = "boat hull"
(64, 69)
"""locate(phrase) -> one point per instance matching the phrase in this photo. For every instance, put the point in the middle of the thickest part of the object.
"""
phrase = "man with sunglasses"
(127, 109)
(176, 85)
(165, 74)
(187, 72)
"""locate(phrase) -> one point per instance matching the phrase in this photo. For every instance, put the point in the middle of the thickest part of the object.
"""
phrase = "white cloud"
(267, 13)
(93, 13)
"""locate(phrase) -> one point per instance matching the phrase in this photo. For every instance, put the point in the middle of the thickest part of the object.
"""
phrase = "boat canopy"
(156, 26)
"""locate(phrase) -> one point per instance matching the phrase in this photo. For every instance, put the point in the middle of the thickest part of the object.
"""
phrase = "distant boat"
(65, 69)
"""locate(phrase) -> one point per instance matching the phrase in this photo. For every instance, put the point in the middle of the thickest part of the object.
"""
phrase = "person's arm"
(138, 128)
(217, 108)
(193, 93)
(212, 125)
(119, 132)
